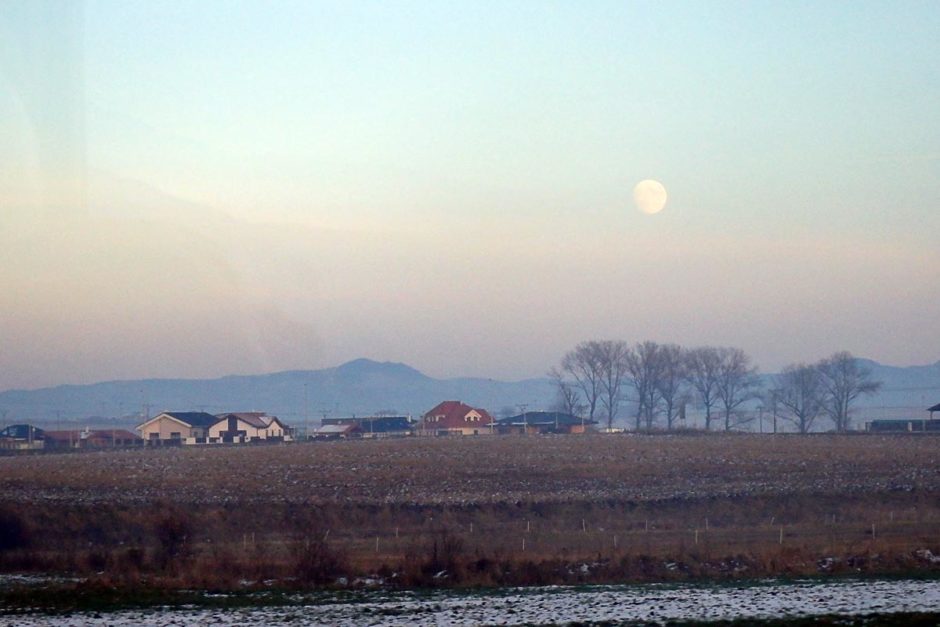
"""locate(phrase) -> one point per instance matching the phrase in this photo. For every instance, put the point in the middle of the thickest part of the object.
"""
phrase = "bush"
(172, 531)
(14, 533)
(317, 563)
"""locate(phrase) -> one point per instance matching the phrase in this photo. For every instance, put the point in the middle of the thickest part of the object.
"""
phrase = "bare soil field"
(477, 511)
(479, 470)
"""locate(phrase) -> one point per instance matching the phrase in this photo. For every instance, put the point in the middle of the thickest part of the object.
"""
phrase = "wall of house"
(165, 427)
(480, 429)
(274, 430)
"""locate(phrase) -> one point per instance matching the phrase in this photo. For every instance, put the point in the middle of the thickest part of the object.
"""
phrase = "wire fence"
(537, 539)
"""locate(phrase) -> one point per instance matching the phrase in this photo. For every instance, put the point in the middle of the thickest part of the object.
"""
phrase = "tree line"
(656, 382)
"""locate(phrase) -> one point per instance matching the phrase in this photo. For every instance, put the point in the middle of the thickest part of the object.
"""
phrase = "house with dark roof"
(376, 426)
(337, 431)
(22, 437)
(536, 422)
(912, 425)
(177, 427)
(455, 418)
(247, 426)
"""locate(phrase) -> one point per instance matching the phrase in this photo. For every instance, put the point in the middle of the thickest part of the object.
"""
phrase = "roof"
(192, 418)
(453, 415)
(336, 429)
(257, 419)
(544, 418)
(373, 424)
(22, 432)
(934, 408)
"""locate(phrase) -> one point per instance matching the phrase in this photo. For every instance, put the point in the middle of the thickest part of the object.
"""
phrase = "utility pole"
(306, 415)
(525, 421)
(773, 400)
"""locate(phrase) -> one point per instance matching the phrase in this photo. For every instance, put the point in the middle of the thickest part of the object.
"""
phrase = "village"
(448, 418)
(175, 428)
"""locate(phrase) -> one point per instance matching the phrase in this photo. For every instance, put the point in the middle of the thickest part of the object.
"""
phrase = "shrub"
(172, 531)
(317, 563)
(14, 534)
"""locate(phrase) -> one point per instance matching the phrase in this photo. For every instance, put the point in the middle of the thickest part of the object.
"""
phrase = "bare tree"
(703, 367)
(737, 382)
(613, 356)
(583, 366)
(798, 388)
(567, 395)
(844, 379)
(672, 381)
(645, 366)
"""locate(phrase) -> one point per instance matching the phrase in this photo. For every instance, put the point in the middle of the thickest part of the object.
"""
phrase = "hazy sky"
(196, 189)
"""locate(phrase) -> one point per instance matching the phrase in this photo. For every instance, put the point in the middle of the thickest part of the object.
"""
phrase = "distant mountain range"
(360, 387)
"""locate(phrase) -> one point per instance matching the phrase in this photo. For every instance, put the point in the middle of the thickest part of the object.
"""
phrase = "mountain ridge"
(357, 387)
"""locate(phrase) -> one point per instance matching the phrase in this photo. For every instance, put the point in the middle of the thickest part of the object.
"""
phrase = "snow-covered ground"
(649, 603)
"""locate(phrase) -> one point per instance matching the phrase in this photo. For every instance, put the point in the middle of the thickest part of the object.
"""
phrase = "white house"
(177, 427)
(243, 427)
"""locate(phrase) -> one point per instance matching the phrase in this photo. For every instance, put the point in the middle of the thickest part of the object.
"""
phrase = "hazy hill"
(358, 387)
(363, 387)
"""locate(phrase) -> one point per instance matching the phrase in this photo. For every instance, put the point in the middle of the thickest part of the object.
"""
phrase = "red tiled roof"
(453, 415)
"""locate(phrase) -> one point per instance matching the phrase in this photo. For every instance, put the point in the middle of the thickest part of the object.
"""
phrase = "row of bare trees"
(827, 388)
(657, 381)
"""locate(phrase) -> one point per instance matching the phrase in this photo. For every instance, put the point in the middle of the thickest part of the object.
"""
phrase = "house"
(455, 418)
(91, 439)
(903, 426)
(336, 431)
(177, 427)
(22, 437)
(241, 427)
(535, 422)
(911, 425)
(377, 426)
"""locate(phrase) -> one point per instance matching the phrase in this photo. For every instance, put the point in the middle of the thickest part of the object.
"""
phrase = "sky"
(201, 189)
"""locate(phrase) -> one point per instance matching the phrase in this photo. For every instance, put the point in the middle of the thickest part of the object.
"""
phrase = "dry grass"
(487, 510)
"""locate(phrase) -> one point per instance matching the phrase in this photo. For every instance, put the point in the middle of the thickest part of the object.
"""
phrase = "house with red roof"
(455, 418)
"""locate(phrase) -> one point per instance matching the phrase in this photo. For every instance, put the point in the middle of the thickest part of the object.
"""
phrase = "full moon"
(649, 196)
